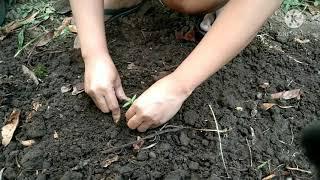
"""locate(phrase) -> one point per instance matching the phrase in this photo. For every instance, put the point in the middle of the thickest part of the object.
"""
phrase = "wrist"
(181, 86)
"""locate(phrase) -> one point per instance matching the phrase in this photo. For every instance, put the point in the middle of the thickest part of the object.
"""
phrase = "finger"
(134, 122)
(101, 103)
(113, 105)
(131, 112)
(121, 95)
(145, 126)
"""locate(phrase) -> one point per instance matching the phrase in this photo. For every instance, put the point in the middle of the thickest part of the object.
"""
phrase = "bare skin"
(228, 36)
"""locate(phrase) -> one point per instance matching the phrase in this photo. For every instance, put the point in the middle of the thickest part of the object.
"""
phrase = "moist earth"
(72, 135)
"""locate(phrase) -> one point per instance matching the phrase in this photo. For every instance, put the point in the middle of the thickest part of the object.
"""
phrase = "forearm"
(231, 32)
(90, 24)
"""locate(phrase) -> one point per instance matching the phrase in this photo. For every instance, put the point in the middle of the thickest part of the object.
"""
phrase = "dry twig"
(250, 152)
(220, 145)
(144, 138)
(298, 169)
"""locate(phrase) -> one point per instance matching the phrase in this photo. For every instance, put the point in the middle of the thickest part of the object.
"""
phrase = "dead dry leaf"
(66, 22)
(296, 93)
(131, 66)
(28, 142)
(267, 106)
(10, 27)
(109, 161)
(36, 105)
(138, 145)
(77, 89)
(10, 127)
(314, 10)
(304, 41)
(73, 28)
(30, 74)
(76, 43)
(45, 39)
(66, 88)
(265, 85)
(55, 135)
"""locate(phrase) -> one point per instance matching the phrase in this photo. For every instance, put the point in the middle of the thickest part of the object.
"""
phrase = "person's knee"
(180, 6)
(194, 7)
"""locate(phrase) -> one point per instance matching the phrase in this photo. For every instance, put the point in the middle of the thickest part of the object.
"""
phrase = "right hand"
(103, 84)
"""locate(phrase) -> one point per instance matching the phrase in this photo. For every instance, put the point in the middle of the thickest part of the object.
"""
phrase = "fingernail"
(116, 118)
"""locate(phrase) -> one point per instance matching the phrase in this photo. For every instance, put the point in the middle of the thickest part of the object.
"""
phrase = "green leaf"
(130, 101)
(21, 38)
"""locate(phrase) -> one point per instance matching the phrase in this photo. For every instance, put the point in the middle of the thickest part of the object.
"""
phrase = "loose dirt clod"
(11, 125)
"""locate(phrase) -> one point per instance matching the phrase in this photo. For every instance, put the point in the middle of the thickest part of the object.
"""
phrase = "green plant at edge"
(130, 101)
(40, 71)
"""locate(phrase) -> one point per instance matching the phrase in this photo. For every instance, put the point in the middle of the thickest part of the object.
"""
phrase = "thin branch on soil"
(292, 136)
(220, 144)
(249, 152)
(298, 169)
(160, 132)
(204, 130)
(144, 138)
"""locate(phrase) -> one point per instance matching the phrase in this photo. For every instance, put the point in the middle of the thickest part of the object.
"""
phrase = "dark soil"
(148, 41)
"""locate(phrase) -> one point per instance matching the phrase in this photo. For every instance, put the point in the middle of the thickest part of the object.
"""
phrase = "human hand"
(102, 83)
(157, 105)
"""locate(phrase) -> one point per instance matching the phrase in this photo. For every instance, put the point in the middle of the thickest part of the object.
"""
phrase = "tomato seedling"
(130, 101)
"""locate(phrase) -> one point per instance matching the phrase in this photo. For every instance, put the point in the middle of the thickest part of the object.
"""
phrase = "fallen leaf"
(36, 105)
(28, 142)
(109, 161)
(296, 93)
(15, 25)
(31, 74)
(160, 75)
(29, 116)
(265, 85)
(76, 43)
(45, 39)
(266, 106)
(66, 21)
(304, 41)
(10, 126)
(314, 10)
(131, 66)
(77, 89)
(81, 165)
(73, 28)
(55, 135)
(66, 88)
(138, 145)
(190, 35)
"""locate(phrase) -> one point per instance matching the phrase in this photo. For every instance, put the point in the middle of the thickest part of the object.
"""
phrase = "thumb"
(121, 95)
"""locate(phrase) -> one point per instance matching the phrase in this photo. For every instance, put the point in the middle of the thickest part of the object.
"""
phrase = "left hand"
(157, 105)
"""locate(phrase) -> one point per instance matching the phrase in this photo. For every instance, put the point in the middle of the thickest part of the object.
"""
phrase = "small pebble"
(152, 154)
(193, 165)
